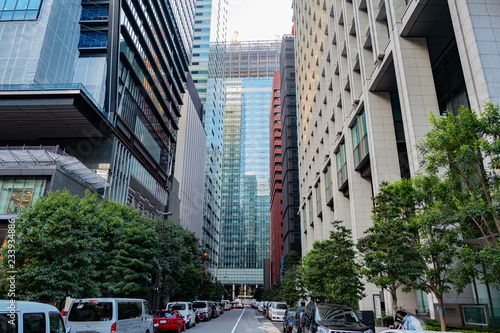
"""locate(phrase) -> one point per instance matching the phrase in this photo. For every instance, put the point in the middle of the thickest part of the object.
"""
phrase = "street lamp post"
(157, 296)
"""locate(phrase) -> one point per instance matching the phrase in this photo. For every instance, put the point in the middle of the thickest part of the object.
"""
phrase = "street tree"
(180, 249)
(273, 293)
(438, 241)
(330, 268)
(466, 147)
(389, 260)
(292, 285)
(130, 262)
(58, 241)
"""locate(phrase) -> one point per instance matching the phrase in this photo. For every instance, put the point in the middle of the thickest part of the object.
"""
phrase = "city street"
(246, 320)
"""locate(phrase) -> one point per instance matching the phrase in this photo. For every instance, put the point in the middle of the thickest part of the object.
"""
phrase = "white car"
(186, 310)
(276, 311)
(30, 317)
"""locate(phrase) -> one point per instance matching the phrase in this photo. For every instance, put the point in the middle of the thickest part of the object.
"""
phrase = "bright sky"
(259, 19)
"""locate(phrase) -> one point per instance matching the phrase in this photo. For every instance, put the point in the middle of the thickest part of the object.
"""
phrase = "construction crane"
(235, 35)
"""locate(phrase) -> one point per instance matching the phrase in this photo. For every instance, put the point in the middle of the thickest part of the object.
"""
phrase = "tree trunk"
(441, 314)
(394, 303)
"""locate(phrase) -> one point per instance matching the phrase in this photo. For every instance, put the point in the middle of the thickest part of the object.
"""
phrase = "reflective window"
(95, 13)
(341, 165)
(359, 138)
(18, 10)
(34, 323)
(93, 39)
(18, 193)
(56, 323)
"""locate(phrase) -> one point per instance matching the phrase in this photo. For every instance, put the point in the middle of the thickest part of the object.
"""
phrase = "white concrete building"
(368, 74)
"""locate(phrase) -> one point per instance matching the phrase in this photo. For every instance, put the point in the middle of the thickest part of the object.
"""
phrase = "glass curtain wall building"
(112, 74)
(245, 165)
(208, 70)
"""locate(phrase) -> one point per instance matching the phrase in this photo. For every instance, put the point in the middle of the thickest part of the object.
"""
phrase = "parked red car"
(168, 321)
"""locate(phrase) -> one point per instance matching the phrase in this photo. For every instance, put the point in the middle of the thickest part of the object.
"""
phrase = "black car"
(328, 318)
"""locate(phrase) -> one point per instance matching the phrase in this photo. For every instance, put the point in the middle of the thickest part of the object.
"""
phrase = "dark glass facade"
(244, 240)
(289, 147)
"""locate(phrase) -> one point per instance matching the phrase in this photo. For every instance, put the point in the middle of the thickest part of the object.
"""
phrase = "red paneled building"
(276, 181)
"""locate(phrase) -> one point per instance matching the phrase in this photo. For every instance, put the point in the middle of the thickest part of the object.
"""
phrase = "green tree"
(58, 242)
(217, 291)
(292, 286)
(207, 285)
(438, 241)
(189, 284)
(466, 147)
(389, 259)
(180, 249)
(258, 294)
(330, 268)
(272, 293)
(131, 263)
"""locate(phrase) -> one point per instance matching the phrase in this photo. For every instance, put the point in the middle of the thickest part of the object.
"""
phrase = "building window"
(359, 138)
(328, 185)
(341, 165)
(19, 10)
(319, 209)
(18, 193)
(95, 13)
(93, 39)
(310, 206)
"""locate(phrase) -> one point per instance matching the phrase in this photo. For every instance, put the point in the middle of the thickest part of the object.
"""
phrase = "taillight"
(113, 328)
(62, 312)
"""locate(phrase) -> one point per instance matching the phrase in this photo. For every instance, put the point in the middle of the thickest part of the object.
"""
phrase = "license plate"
(163, 321)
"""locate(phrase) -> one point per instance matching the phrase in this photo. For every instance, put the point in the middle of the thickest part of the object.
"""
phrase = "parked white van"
(186, 310)
(276, 310)
(110, 315)
(32, 317)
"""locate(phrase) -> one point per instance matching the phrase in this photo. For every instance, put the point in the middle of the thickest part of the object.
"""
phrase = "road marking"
(238, 320)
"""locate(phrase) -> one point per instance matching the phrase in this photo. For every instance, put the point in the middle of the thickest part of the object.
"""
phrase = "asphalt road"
(246, 320)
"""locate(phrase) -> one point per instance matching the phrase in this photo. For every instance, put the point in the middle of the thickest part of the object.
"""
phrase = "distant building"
(289, 149)
(208, 70)
(275, 181)
(97, 81)
(244, 239)
(186, 200)
(368, 75)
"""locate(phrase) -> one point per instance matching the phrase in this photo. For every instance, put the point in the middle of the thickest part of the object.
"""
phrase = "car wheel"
(179, 329)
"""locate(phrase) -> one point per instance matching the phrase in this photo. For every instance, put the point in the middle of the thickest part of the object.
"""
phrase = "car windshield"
(177, 307)
(291, 313)
(164, 314)
(280, 306)
(198, 305)
(91, 311)
(326, 313)
(411, 322)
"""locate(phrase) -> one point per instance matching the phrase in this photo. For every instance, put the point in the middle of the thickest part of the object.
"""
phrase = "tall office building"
(188, 181)
(102, 81)
(368, 75)
(290, 164)
(207, 69)
(244, 241)
(276, 181)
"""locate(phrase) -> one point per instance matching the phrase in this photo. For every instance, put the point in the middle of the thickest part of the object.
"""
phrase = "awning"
(30, 157)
